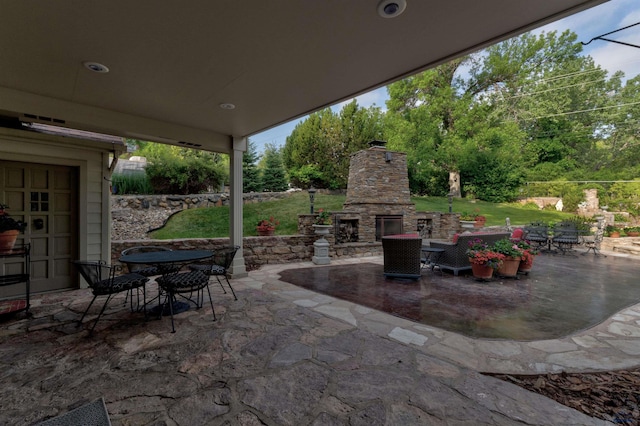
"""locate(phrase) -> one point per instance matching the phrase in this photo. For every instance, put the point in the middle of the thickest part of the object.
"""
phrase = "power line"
(601, 37)
(584, 110)
(552, 89)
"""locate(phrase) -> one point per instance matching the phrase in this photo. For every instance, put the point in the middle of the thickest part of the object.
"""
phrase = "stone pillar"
(321, 252)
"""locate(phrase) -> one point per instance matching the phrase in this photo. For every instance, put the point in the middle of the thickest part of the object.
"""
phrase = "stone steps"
(627, 245)
(628, 249)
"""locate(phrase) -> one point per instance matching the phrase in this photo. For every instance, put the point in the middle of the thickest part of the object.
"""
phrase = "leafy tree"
(251, 180)
(317, 153)
(273, 173)
(175, 170)
(533, 102)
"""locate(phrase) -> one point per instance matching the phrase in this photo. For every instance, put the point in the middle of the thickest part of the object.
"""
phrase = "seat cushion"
(184, 281)
(209, 269)
(517, 234)
(120, 283)
(148, 271)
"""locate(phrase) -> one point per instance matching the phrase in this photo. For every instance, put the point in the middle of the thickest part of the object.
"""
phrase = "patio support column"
(238, 268)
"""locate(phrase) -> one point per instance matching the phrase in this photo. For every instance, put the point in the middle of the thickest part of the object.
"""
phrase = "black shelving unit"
(17, 305)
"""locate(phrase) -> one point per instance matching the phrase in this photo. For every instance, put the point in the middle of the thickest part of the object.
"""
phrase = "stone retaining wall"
(259, 250)
(193, 201)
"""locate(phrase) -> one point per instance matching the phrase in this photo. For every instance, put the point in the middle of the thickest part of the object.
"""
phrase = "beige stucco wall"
(92, 160)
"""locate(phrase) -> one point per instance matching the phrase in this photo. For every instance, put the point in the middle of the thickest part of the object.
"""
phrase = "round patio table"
(166, 261)
(160, 258)
(431, 257)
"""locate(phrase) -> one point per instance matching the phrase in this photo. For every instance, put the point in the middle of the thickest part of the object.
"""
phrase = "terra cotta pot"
(265, 231)
(509, 267)
(481, 272)
(8, 239)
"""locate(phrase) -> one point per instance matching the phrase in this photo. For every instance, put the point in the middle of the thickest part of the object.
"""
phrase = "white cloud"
(602, 19)
(615, 57)
(376, 97)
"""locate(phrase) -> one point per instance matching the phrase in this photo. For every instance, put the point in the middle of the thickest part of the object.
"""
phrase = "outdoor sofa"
(455, 257)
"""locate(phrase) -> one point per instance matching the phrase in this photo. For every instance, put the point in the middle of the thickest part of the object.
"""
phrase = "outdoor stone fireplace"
(378, 194)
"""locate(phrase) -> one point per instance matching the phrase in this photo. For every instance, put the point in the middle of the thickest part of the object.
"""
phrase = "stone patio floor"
(282, 355)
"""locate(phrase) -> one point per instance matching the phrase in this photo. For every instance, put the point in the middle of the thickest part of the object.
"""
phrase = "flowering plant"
(268, 223)
(467, 216)
(324, 217)
(8, 223)
(480, 254)
(507, 248)
(526, 246)
(527, 250)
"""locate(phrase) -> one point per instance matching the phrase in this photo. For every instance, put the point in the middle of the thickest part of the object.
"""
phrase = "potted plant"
(528, 253)
(480, 220)
(322, 222)
(483, 260)
(632, 231)
(267, 227)
(512, 256)
(9, 228)
(612, 231)
(467, 220)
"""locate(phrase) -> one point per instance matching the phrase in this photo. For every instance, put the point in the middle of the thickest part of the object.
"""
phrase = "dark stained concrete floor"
(563, 294)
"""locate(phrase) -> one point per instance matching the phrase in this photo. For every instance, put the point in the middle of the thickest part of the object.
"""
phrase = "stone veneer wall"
(184, 202)
(259, 250)
(379, 188)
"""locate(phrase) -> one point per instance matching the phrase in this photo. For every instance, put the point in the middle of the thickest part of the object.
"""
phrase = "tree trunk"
(454, 184)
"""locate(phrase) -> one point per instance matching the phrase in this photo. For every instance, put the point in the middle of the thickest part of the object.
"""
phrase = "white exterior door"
(46, 198)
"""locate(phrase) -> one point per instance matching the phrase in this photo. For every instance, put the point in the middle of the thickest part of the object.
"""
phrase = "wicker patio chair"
(218, 266)
(104, 281)
(454, 257)
(402, 255)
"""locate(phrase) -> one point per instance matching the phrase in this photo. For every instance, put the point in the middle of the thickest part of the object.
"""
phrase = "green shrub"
(131, 183)
(187, 174)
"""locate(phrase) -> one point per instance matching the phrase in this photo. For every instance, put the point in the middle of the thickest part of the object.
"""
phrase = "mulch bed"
(611, 395)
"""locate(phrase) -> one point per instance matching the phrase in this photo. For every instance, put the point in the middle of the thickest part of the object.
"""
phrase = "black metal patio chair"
(218, 266)
(146, 270)
(565, 237)
(184, 284)
(538, 235)
(104, 281)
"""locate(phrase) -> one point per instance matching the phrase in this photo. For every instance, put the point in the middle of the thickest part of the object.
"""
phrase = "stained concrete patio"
(282, 355)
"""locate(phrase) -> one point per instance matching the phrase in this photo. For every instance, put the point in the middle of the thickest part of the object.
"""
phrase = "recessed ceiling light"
(391, 8)
(96, 67)
(227, 106)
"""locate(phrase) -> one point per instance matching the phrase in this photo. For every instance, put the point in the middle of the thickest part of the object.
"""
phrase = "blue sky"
(591, 23)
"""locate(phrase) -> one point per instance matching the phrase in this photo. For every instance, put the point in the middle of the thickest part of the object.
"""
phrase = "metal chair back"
(218, 265)
(92, 271)
(146, 270)
(103, 281)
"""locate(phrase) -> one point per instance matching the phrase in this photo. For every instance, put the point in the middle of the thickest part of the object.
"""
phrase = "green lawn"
(214, 222)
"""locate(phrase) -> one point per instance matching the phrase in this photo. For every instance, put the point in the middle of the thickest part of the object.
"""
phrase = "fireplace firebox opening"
(388, 225)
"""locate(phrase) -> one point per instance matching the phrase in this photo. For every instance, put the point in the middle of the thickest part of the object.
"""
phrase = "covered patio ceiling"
(173, 67)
